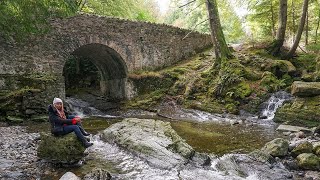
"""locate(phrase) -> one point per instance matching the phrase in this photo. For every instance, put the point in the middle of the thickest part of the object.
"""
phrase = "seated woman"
(62, 124)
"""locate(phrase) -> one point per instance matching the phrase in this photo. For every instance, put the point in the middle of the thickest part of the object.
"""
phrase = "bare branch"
(194, 8)
(187, 3)
(194, 28)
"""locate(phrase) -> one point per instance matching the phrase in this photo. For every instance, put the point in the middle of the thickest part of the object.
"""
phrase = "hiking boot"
(85, 133)
(88, 144)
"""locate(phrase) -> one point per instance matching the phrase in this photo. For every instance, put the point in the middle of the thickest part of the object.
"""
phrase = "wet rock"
(313, 175)
(69, 176)
(291, 164)
(304, 147)
(308, 161)
(262, 156)
(98, 174)
(303, 89)
(290, 128)
(244, 166)
(300, 134)
(316, 130)
(63, 149)
(276, 147)
(153, 140)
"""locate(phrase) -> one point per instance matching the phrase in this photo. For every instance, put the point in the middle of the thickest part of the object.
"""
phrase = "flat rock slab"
(305, 89)
(290, 128)
(153, 140)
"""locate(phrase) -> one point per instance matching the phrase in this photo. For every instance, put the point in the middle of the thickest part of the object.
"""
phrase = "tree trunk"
(275, 46)
(293, 20)
(307, 28)
(316, 37)
(272, 21)
(222, 51)
(300, 29)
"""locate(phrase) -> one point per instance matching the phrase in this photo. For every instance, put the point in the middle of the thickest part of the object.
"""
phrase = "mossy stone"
(305, 89)
(14, 120)
(305, 147)
(300, 112)
(316, 148)
(63, 149)
(308, 161)
(277, 147)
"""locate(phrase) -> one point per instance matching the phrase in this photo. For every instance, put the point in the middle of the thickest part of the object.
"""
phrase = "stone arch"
(112, 68)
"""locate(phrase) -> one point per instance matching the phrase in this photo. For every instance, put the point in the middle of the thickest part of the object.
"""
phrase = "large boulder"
(304, 147)
(153, 140)
(301, 112)
(277, 147)
(63, 149)
(305, 89)
(281, 67)
(308, 161)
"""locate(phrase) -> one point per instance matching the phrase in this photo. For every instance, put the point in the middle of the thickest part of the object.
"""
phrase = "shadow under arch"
(111, 66)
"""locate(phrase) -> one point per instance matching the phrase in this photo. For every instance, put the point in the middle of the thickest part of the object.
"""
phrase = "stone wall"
(138, 45)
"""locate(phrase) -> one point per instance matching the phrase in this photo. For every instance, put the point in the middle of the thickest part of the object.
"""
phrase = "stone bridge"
(115, 46)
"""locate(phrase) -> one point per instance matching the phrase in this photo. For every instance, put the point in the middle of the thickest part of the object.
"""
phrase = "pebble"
(19, 152)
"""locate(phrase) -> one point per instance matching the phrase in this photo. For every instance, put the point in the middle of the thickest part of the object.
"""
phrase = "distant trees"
(300, 29)
(21, 18)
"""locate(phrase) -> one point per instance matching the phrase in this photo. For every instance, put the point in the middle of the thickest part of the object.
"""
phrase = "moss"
(64, 149)
(305, 62)
(271, 83)
(147, 101)
(300, 112)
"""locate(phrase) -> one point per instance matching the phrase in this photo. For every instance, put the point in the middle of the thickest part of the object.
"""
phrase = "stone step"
(305, 89)
(290, 128)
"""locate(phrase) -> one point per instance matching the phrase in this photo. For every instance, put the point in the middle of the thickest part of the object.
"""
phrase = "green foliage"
(21, 18)
(142, 10)
(194, 16)
(271, 83)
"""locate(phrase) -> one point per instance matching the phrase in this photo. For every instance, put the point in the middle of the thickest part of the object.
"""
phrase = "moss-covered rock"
(281, 67)
(308, 161)
(305, 89)
(262, 156)
(277, 147)
(316, 148)
(63, 149)
(300, 112)
(305, 147)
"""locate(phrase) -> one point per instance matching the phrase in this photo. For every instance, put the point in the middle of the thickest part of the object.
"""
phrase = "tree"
(300, 29)
(20, 19)
(276, 45)
(222, 51)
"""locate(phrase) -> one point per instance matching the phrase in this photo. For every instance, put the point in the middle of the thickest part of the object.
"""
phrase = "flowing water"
(210, 134)
(275, 101)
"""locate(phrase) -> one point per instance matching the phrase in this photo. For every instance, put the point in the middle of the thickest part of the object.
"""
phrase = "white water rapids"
(275, 101)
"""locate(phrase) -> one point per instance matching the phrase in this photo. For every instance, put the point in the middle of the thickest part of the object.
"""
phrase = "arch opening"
(95, 70)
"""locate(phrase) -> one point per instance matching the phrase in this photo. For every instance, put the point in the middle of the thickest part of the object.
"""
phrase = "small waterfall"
(83, 109)
(275, 101)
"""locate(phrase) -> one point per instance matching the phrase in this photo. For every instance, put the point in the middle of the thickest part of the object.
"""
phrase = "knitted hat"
(57, 100)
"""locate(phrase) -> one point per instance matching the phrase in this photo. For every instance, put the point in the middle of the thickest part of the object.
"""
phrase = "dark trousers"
(76, 129)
